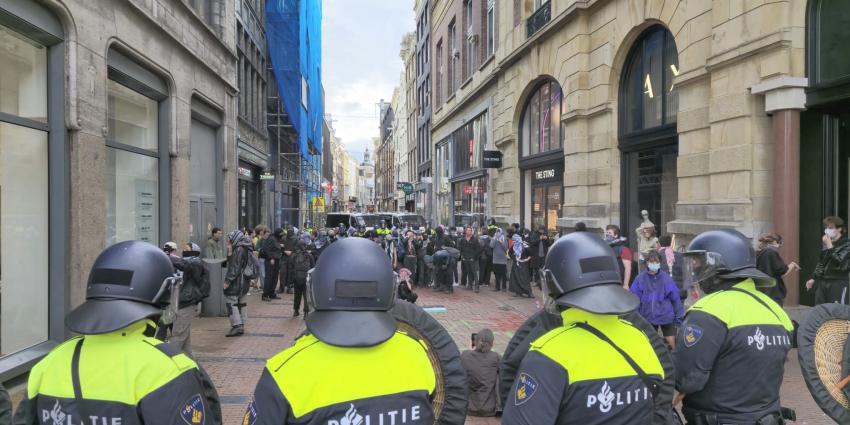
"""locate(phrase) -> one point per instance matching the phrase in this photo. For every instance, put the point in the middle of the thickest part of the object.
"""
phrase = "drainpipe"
(784, 98)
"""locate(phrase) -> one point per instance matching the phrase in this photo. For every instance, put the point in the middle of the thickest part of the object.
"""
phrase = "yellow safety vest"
(316, 383)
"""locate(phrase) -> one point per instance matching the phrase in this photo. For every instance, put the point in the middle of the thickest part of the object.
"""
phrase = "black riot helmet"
(722, 256)
(128, 282)
(351, 290)
(581, 271)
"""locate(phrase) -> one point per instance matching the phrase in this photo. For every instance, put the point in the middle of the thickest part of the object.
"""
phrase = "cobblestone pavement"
(235, 364)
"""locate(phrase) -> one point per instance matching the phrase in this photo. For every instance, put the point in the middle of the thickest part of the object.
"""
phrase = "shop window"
(132, 175)
(540, 128)
(469, 141)
(24, 193)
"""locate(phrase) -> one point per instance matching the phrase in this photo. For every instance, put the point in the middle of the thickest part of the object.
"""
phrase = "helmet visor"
(551, 287)
(701, 265)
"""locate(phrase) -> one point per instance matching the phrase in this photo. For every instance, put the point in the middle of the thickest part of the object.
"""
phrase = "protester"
(660, 303)
(214, 249)
(770, 262)
(261, 234)
(288, 246)
(270, 255)
(520, 277)
(580, 227)
(470, 253)
(408, 250)
(485, 261)
(236, 282)
(538, 244)
(623, 253)
(195, 288)
(830, 278)
(499, 247)
(302, 262)
(482, 375)
(405, 289)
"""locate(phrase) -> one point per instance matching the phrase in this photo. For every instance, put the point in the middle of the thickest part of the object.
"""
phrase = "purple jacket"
(659, 298)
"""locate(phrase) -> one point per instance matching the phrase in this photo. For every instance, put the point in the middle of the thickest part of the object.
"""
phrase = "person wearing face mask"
(660, 303)
(830, 276)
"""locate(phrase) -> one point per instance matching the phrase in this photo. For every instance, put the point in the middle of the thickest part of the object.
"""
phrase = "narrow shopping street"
(235, 364)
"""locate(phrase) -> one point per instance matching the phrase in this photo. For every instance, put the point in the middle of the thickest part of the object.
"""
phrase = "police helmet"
(725, 254)
(125, 285)
(351, 290)
(581, 271)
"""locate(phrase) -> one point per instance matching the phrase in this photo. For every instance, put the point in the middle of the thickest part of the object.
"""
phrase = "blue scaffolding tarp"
(294, 32)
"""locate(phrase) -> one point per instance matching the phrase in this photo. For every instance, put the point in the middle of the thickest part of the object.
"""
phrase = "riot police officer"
(596, 368)
(308, 227)
(354, 366)
(730, 351)
(116, 372)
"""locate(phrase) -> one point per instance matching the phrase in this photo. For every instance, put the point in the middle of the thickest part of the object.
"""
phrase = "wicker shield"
(822, 342)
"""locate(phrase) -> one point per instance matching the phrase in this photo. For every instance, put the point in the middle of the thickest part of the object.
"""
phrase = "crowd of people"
(591, 282)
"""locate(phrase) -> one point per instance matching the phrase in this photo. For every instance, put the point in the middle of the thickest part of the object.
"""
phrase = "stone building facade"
(105, 104)
(604, 109)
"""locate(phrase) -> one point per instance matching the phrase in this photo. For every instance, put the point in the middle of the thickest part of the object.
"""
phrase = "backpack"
(252, 269)
(302, 263)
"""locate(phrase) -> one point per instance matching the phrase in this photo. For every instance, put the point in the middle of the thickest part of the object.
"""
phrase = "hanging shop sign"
(266, 176)
(246, 172)
(492, 159)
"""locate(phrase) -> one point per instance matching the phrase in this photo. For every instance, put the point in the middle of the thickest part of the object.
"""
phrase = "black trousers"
(284, 274)
(484, 267)
(272, 274)
(442, 279)
(300, 288)
(501, 272)
(469, 273)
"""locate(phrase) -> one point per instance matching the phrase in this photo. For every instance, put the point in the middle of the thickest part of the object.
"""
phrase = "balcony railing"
(539, 18)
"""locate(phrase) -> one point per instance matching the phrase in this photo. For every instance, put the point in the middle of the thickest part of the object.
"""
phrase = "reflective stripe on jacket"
(570, 376)
(730, 355)
(119, 377)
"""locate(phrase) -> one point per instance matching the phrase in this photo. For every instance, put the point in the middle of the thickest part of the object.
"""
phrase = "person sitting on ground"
(660, 303)
(482, 375)
(405, 289)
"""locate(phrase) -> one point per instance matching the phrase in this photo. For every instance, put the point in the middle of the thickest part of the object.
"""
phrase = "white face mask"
(831, 233)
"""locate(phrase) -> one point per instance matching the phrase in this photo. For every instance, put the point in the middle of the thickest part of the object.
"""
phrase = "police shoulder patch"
(693, 333)
(192, 411)
(250, 414)
(525, 389)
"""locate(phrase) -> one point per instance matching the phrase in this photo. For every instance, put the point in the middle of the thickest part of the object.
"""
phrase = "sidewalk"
(235, 364)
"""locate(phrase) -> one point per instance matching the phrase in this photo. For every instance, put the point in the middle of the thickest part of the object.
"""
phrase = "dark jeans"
(831, 291)
(442, 280)
(501, 272)
(485, 266)
(469, 273)
(300, 287)
(284, 274)
(423, 275)
(272, 272)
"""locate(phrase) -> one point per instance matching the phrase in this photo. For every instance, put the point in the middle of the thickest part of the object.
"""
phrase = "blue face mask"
(653, 267)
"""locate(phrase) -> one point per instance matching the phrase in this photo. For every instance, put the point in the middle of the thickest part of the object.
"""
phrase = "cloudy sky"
(361, 64)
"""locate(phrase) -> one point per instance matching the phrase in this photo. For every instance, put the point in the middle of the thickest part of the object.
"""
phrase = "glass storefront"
(24, 208)
(545, 197)
(132, 175)
(470, 202)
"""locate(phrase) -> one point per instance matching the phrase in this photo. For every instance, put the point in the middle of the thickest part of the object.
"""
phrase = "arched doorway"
(541, 157)
(824, 128)
(647, 132)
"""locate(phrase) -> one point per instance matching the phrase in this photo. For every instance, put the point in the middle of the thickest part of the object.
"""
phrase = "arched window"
(540, 128)
(648, 96)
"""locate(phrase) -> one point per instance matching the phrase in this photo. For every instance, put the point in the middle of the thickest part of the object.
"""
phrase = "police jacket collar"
(575, 315)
